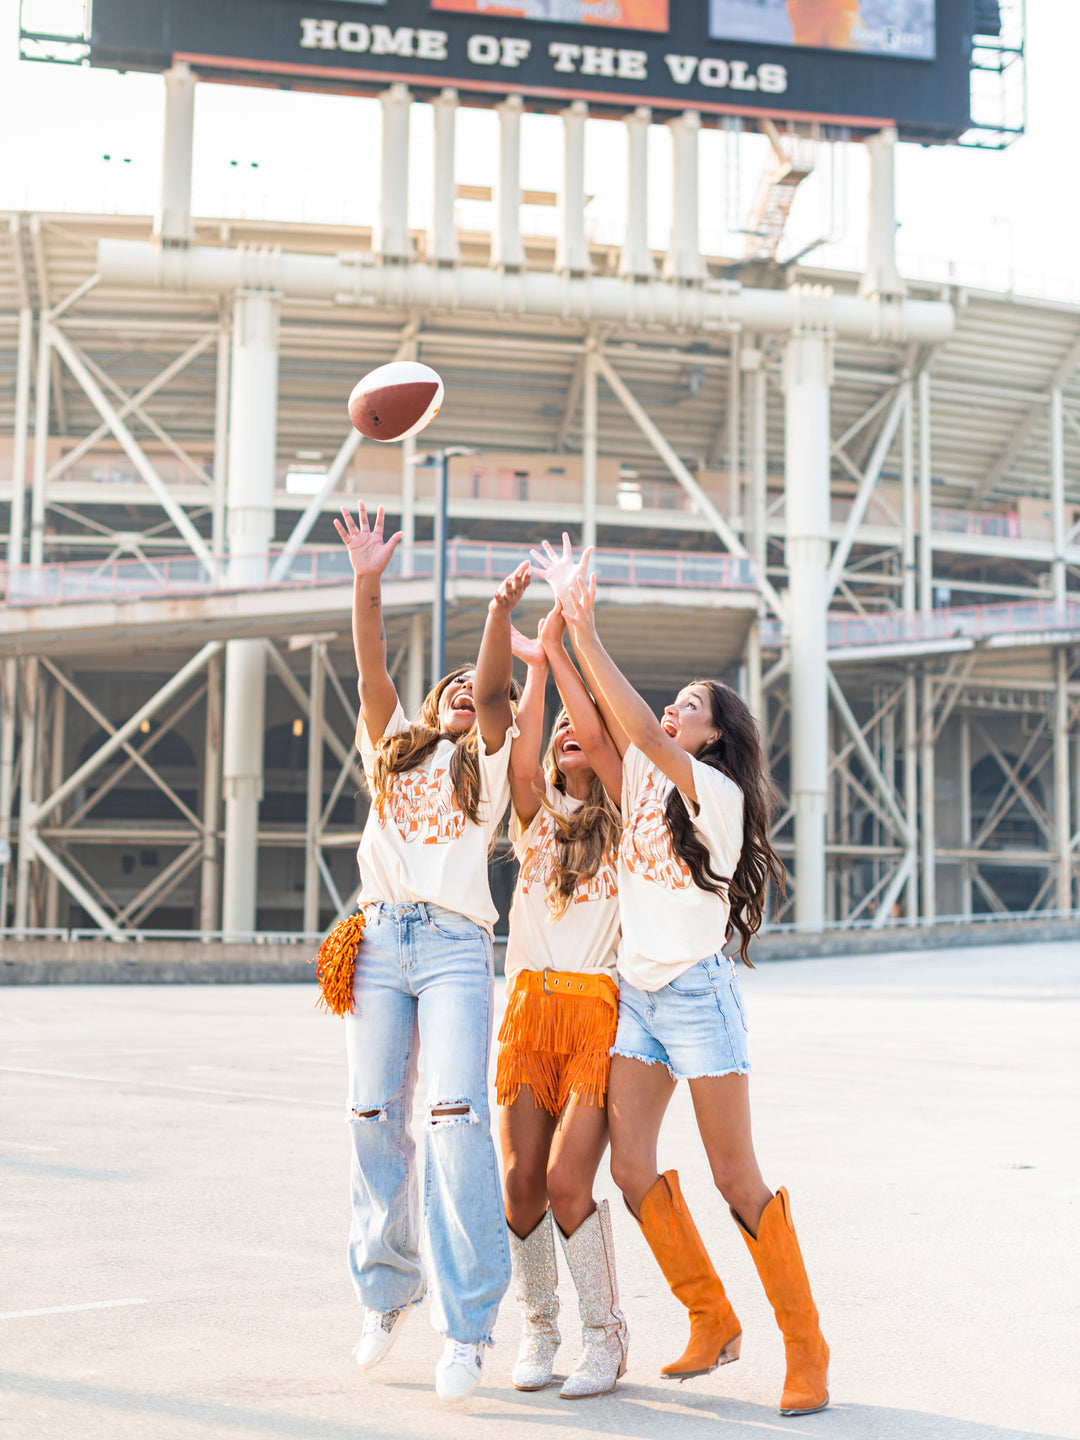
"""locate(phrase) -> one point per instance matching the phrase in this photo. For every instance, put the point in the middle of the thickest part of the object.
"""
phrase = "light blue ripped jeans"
(424, 986)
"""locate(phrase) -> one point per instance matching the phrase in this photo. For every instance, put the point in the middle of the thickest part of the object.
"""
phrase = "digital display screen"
(626, 14)
(904, 28)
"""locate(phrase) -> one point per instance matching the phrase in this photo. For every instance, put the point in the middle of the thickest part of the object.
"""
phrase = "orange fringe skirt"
(556, 1038)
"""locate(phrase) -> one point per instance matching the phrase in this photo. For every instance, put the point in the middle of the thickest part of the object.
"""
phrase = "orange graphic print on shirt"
(646, 844)
(423, 806)
(540, 861)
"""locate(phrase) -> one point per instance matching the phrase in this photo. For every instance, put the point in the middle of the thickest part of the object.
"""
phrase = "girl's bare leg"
(525, 1132)
(722, 1107)
(580, 1140)
(637, 1100)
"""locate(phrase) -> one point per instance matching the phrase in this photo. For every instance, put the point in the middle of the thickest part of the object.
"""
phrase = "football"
(396, 400)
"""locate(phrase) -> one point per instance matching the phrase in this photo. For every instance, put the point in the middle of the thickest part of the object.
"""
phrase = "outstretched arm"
(526, 775)
(560, 572)
(638, 722)
(369, 554)
(591, 732)
(495, 662)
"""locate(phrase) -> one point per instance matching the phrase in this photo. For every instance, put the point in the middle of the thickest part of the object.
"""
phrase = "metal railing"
(135, 577)
(976, 622)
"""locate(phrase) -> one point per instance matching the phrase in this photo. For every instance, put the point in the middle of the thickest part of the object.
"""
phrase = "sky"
(90, 140)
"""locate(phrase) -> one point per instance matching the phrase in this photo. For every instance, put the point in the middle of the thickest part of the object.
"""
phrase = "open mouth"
(463, 703)
(571, 747)
(669, 727)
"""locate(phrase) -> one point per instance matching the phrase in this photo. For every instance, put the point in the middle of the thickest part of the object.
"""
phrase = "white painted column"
(589, 446)
(172, 224)
(882, 277)
(210, 887)
(911, 786)
(1057, 496)
(41, 444)
(572, 249)
(928, 799)
(391, 239)
(316, 710)
(507, 250)
(55, 779)
(636, 260)
(442, 239)
(23, 365)
(734, 433)
(684, 261)
(221, 446)
(1062, 797)
(28, 798)
(413, 696)
(807, 378)
(7, 777)
(908, 585)
(251, 464)
(966, 906)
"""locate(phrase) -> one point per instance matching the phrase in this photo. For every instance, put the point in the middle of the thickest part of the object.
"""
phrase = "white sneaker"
(458, 1370)
(377, 1337)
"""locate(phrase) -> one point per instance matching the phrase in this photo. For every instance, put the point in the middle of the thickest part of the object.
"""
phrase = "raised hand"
(559, 570)
(552, 627)
(511, 590)
(579, 607)
(369, 553)
(530, 651)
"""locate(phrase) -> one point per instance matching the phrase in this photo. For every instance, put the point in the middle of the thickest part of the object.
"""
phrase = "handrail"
(79, 581)
(975, 622)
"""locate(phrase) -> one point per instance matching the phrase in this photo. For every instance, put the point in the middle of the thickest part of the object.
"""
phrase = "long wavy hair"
(738, 755)
(585, 839)
(409, 749)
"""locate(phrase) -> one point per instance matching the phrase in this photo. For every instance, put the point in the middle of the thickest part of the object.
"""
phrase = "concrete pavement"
(175, 1158)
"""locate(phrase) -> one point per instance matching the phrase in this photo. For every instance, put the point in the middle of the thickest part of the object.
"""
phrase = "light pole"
(438, 459)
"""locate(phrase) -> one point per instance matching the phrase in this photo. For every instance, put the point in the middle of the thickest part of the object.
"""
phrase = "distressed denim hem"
(711, 1074)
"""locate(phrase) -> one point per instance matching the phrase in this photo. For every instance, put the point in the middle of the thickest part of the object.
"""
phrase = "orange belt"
(569, 982)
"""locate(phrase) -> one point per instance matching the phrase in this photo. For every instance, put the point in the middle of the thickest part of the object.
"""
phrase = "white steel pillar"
(210, 887)
(734, 431)
(572, 249)
(443, 248)
(316, 711)
(251, 464)
(911, 789)
(507, 250)
(908, 585)
(807, 378)
(172, 224)
(7, 778)
(17, 527)
(684, 260)
(882, 277)
(926, 604)
(926, 500)
(1062, 806)
(965, 814)
(1057, 495)
(28, 697)
(413, 696)
(392, 240)
(41, 444)
(56, 776)
(221, 445)
(636, 260)
(589, 446)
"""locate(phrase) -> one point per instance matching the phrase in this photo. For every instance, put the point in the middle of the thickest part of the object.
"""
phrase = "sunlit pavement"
(174, 1205)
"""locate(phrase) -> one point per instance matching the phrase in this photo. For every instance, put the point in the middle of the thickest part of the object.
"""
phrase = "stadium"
(850, 495)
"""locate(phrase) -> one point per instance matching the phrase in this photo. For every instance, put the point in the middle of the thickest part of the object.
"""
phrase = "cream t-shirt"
(668, 923)
(421, 846)
(586, 935)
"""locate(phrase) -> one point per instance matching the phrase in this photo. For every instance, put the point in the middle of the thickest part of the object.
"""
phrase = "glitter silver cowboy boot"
(535, 1278)
(590, 1253)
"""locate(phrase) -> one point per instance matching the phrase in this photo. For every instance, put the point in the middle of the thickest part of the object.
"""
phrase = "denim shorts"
(696, 1025)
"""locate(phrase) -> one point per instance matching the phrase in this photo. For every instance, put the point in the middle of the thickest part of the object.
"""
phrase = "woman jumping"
(694, 864)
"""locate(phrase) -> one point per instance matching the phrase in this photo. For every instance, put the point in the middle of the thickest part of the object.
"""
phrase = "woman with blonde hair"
(561, 1014)
(695, 862)
(424, 981)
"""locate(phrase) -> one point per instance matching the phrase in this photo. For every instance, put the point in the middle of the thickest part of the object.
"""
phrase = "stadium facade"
(855, 498)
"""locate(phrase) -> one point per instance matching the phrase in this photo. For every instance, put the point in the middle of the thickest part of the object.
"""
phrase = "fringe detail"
(556, 1046)
(335, 965)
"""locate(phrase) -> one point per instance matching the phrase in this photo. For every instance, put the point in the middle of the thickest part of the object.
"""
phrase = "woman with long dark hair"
(424, 980)
(695, 862)
(561, 1016)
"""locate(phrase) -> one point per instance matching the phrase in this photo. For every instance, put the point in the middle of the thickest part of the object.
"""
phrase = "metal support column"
(438, 598)
(221, 445)
(28, 698)
(56, 775)
(1062, 806)
(572, 249)
(413, 697)
(589, 446)
(882, 277)
(807, 378)
(210, 886)
(312, 838)
(443, 248)
(636, 260)
(7, 778)
(684, 259)
(965, 815)
(734, 431)
(252, 459)
(41, 444)
(926, 601)
(1057, 495)
(911, 789)
(507, 250)
(391, 239)
(17, 526)
(172, 224)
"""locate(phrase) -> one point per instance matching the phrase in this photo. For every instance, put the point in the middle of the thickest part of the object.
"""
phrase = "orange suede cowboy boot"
(780, 1267)
(715, 1332)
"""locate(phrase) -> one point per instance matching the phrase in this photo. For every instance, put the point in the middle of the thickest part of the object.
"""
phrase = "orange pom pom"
(335, 965)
